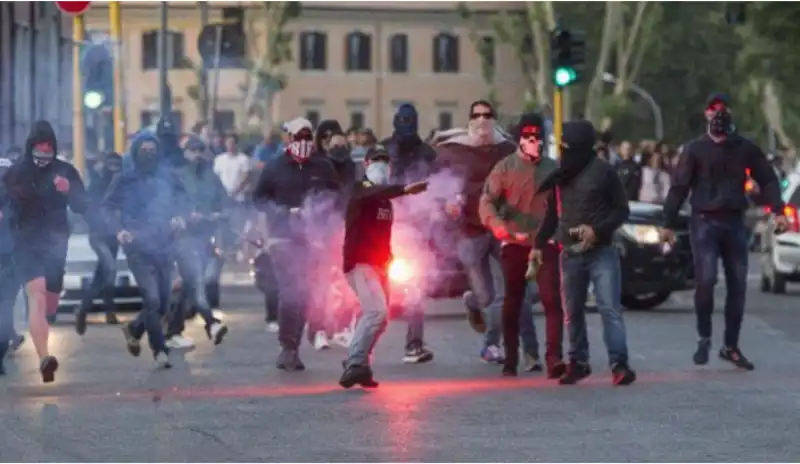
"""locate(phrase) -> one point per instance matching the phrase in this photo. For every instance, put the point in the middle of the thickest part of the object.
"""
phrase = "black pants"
(514, 260)
(104, 280)
(292, 262)
(266, 283)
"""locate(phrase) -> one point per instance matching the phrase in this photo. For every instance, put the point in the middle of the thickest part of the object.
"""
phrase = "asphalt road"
(228, 403)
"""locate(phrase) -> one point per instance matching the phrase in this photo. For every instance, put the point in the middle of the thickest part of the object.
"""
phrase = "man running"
(367, 254)
(104, 244)
(39, 189)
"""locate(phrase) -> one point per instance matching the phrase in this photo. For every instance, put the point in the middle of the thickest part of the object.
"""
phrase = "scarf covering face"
(577, 152)
(43, 154)
(406, 122)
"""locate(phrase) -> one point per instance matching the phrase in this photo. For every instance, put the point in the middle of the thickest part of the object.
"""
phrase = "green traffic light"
(564, 76)
(93, 99)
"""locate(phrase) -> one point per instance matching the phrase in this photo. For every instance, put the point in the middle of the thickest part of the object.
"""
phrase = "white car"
(781, 253)
(81, 263)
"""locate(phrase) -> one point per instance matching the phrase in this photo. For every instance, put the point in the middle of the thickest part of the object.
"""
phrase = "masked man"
(587, 206)
(147, 202)
(513, 211)
(367, 254)
(288, 190)
(105, 246)
(197, 261)
(39, 189)
(713, 168)
(412, 159)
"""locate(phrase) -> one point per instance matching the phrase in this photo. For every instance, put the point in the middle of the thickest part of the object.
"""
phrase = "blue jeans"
(601, 268)
(193, 257)
(105, 274)
(153, 274)
(714, 239)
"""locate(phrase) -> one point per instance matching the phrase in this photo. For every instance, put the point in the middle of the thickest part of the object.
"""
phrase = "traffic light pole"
(115, 16)
(558, 118)
(78, 126)
(165, 98)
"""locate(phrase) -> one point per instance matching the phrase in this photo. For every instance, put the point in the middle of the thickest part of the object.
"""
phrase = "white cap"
(296, 125)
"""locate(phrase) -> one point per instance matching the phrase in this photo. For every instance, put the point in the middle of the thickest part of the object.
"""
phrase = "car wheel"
(644, 301)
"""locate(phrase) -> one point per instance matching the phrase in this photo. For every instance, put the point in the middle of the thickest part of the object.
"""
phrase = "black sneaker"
(417, 355)
(132, 343)
(358, 375)
(48, 368)
(216, 331)
(289, 360)
(576, 371)
(556, 369)
(80, 321)
(621, 374)
(474, 314)
(111, 319)
(509, 371)
(700, 357)
(735, 357)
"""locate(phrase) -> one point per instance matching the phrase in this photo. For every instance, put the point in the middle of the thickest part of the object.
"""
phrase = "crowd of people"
(320, 205)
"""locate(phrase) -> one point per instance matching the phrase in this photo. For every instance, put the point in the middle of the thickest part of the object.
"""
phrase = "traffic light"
(98, 75)
(567, 56)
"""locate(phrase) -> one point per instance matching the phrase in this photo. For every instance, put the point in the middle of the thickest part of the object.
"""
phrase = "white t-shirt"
(233, 170)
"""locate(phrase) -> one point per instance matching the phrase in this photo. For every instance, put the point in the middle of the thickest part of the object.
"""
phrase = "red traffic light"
(73, 8)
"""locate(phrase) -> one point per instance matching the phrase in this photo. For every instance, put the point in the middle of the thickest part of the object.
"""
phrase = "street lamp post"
(659, 121)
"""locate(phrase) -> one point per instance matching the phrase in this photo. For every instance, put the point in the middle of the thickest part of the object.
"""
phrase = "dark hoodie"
(458, 153)
(339, 156)
(146, 197)
(589, 191)
(412, 159)
(98, 186)
(38, 209)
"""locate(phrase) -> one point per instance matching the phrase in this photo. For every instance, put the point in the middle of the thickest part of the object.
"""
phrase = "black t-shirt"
(368, 225)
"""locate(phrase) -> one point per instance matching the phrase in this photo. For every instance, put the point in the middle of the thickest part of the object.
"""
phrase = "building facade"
(35, 70)
(351, 61)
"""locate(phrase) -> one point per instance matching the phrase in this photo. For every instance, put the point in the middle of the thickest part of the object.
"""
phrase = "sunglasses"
(488, 115)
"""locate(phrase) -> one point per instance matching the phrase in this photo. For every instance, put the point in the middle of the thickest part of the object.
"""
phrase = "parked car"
(81, 263)
(651, 271)
(780, 253)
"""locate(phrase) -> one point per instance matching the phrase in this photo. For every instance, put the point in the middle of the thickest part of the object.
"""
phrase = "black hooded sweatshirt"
(586, 191)
(39, 210)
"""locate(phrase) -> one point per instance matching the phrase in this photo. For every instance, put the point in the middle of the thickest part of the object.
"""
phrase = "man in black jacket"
(629, 171)
(367, 254)
(40, 188)
(105, 246)
(592, 205)
(288, 192)
(713, 168)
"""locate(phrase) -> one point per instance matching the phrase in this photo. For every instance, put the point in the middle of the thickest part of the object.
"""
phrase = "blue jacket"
(144, 203)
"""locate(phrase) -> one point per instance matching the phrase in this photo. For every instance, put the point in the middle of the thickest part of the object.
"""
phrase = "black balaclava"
(112, 165)
(577, 151)
(326, 129)
(721, 123)
(146, 162)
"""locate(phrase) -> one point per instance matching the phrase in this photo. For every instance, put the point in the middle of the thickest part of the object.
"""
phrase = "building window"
(150, 119)
(398, 53)
(313, 48)
(225, 121)
(357, 119)
(445, 120)
(313, 117)
(445, 53)
(358, 47)
(487, 55)
(176, 51)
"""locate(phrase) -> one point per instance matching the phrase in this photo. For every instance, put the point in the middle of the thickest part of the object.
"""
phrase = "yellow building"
(352, 61)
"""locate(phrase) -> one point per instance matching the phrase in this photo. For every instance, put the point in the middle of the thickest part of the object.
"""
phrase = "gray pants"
(371, 289)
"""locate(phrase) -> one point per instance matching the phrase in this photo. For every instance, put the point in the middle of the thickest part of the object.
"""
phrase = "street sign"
(72, 7)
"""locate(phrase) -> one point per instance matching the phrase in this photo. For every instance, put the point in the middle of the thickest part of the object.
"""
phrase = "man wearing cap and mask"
(512, 210)
(587, 205)
(713, 169)
(145, 205)
(104, 244)
(411, 158)
(366, 257)
(39, 190)
(287, 192)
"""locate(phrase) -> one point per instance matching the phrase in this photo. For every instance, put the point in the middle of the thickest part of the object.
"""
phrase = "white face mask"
(378, 173)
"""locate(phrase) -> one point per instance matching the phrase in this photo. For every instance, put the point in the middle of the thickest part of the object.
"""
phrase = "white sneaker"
(343, 338)
(180, 342)
(273, 327)
(216, 332)
(162, 360)
(321, 341)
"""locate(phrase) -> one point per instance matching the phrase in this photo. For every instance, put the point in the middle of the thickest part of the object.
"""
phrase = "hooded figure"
(411, 158)
(39, 189)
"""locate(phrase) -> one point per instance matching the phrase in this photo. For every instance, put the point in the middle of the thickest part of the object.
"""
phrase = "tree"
(268, 47)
